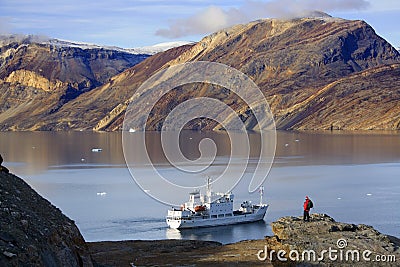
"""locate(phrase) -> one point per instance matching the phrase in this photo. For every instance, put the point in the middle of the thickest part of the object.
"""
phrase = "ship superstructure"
(213, 209)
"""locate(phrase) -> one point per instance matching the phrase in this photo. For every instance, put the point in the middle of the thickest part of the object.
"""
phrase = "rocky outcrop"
(2, 168)
(35, 233)
(350, 244)
(31, 79)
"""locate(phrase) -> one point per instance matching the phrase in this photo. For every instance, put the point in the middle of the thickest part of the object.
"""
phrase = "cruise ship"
(214, 209)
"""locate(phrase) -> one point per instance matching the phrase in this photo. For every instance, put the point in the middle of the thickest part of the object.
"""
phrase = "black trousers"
(306, 216)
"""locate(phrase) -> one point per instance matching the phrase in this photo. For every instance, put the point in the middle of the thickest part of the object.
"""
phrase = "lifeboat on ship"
(199, 208)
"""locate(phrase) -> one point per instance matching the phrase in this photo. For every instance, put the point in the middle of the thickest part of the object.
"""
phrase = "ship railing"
(178, 218)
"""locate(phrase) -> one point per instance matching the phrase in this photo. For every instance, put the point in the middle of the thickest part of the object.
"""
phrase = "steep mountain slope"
(88, 109)
(80, 68)
(292, 61)
(368, 100)
(38, 77)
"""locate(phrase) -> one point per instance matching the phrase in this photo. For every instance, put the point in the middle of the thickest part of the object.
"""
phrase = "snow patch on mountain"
(157, 48)
(148, 50)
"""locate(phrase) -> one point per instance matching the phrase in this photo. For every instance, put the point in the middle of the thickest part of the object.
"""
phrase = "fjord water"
(353, 177)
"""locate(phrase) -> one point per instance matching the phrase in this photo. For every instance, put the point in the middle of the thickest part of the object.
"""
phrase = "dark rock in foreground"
(35, 233)
(350, 244)
(290, 234)
(155, 252)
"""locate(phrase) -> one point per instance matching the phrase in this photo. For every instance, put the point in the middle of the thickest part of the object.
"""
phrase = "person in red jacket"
(307, 206)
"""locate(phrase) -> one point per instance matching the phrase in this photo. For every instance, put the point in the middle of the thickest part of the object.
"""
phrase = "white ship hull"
(208, 221)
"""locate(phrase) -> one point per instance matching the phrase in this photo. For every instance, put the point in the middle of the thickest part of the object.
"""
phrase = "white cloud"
(214, 18)
(210, 19)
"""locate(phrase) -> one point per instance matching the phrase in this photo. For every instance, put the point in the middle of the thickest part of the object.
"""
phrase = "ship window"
(213, 216)
(228, 215)
(220, 215)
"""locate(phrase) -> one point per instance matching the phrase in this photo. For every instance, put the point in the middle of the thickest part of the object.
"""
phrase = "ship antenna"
(261, 190)
(209, 188)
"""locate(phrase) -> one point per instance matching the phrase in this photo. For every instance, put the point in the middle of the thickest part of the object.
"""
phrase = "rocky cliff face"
(80, 68)
(35, 233)
(33, 71)
(27, 78)
(367, 100)
(292, 61)
(102, 107)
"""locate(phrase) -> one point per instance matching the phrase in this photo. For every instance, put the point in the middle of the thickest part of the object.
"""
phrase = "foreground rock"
(290, 234)
(35, 233)
(147, 253)
(349, 244)
(176, 253)
(2, 168)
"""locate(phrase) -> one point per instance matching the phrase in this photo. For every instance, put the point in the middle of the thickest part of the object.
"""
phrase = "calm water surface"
(354, 177)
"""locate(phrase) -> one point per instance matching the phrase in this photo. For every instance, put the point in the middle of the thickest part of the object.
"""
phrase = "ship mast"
(261, 190)
(209, 189)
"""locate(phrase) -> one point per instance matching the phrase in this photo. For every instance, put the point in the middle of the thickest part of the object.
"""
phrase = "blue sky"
(133, 23)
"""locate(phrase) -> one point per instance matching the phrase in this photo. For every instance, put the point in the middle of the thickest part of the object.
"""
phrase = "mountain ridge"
(357, 62)
(145, 50)
(290, 61)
